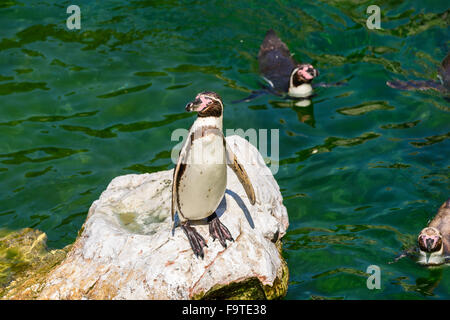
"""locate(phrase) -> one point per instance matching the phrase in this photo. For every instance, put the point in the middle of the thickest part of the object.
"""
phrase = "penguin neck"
(209, 122)
(299, 90)
(433, 258)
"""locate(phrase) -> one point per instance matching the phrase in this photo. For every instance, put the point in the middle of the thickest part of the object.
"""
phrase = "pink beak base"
(304, 73)
(426, 239)
(204, 103)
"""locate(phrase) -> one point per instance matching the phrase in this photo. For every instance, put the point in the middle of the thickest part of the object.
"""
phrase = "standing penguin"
(434, 240)
(200, 176)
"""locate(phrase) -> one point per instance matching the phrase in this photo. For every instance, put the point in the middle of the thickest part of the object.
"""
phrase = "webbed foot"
(195, 239)
(218, 231)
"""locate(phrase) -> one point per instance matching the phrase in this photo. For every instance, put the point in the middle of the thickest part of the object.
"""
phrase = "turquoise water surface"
(362, 169)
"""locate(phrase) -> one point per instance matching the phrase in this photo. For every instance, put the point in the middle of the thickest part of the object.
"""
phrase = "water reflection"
(423, 285)
(304, 114)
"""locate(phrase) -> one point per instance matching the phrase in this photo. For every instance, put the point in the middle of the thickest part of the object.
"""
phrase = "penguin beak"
(197, 105)
(191, 106)
(313, 72)
(307, 73)
(430, 243)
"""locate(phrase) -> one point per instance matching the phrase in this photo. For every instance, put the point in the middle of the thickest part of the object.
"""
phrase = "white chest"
(203, 182)
(434, 258)
(207, 122)
(302, 91)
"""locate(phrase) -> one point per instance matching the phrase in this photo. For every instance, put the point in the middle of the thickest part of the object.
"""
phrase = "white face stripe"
(209, 97)
(302, 67)
(291, 79)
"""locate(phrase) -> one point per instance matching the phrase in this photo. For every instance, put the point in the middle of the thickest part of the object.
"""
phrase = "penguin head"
(206, 104)
(430, 240)
(303, 73)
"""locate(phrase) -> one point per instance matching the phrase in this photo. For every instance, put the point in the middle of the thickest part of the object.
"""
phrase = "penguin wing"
(415, 85)
(178, 171)
(240, 172)
(252, 96)
(409, 252)
(328, 85)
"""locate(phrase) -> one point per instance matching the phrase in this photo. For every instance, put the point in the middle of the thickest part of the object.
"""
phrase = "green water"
(81, 107)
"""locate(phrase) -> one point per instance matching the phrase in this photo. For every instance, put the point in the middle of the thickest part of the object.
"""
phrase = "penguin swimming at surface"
(443, 85)
(283, 74)
(281, 71)
(434, 240)
(200, 176)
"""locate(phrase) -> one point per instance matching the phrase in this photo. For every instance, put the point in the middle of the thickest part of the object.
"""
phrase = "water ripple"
(124, 91)
(365, 107)
(49, 118)
(17, 87)
(431, 140)
(329, 144)
(38, 155)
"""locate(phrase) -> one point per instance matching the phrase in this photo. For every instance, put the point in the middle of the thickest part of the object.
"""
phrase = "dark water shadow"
(423, 285)
(241, 205)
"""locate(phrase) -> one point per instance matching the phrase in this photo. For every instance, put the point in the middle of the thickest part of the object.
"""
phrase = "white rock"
(128, 250)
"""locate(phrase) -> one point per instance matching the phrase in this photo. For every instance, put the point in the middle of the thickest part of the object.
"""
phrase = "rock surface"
(128, 249)
(25, 262)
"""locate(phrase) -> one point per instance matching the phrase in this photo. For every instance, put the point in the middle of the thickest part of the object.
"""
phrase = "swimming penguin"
(434, 240)
(281, 71)
(200, 176)
(443, 85)
(283, 74)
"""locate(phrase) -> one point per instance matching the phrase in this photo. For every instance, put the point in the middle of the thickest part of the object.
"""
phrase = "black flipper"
(265, 89)
(400, 256)
(195, 239)
(218, 231)
(252, 96)
(240, 173)
(328, 85)
(411, 252)
(415, 85)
